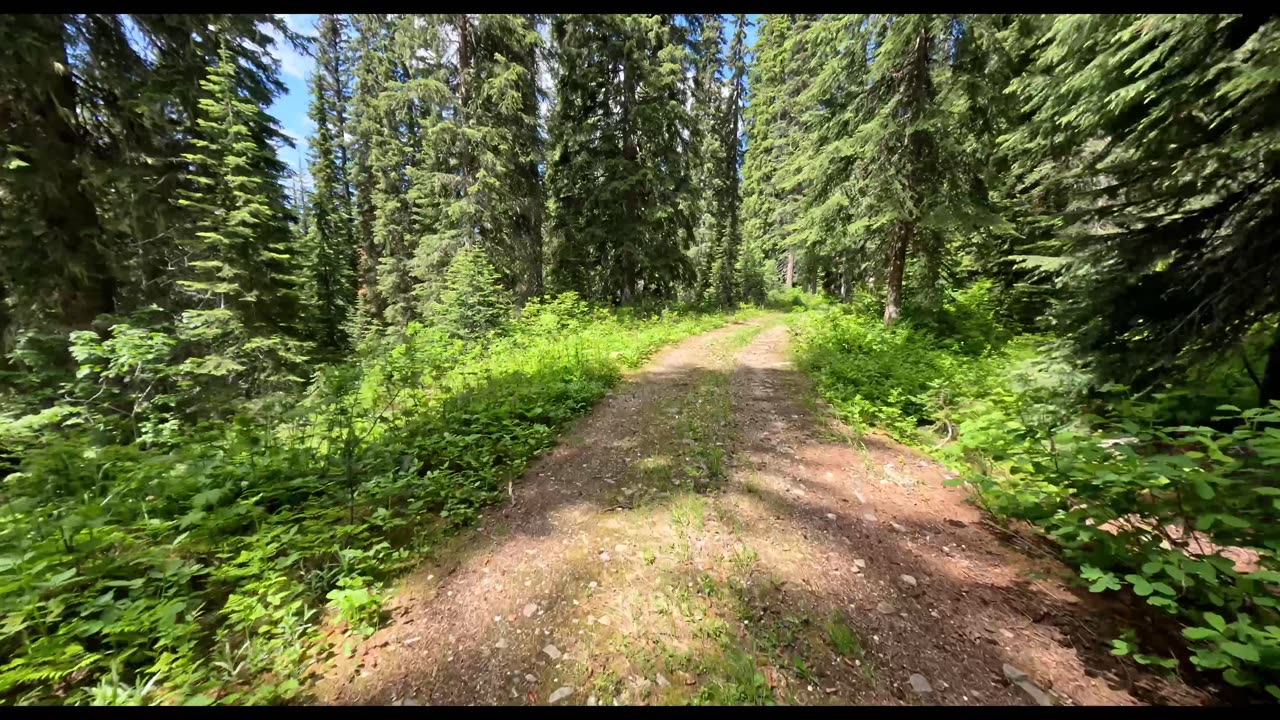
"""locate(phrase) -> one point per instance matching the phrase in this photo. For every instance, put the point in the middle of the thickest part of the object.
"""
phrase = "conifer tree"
(826, 158)
(372, 71)
(99, 110)
(706, 49)
(487, 148)
(405, 70)
(618, 172)
(331, 241)
(472, 302)
(237, 283)
(730, 191)
(1161, 132)
(58, 257)
(923, 192)
(771, 200)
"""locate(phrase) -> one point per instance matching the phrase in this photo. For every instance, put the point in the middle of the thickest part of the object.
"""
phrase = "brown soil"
(708, 534)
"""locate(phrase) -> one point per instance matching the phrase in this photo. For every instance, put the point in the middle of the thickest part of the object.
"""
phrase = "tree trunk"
(5, 344)
(897, 263)
(917, 92)
(844, 281)
(70, 219)
(791, 267)
(337, 71)
(1270, 388)
(631, 154)
(464, 105)
(533, 285)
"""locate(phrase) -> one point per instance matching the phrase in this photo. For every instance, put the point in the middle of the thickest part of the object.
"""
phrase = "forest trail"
(708, 534)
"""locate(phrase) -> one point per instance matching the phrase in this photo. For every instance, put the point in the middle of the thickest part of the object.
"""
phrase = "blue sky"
(291, 108)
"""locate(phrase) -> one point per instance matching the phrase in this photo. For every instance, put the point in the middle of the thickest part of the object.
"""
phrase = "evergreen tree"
(373, 71)
(99, 110)
(730, 191)
(487, 149)
(618, 172)
(1161, 131)
(1008, 254)
(59, 268)
(472, 302)
(331, 238)
(405, 70)
(237, 281)
(706, 51)
(771, 203)
(827, 159)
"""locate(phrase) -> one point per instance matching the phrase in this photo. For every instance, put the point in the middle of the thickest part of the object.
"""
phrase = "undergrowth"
(1141, 492)
(196, 565)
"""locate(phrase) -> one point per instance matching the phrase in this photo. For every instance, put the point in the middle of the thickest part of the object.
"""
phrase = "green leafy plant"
(357, 604)
(193, 567)
(1147, 508)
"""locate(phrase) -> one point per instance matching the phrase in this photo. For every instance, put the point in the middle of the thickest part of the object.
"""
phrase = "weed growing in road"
(689, 512)
(842, 638)
(743, 561)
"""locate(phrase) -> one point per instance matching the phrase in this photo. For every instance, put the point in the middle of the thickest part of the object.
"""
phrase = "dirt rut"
(709, 535)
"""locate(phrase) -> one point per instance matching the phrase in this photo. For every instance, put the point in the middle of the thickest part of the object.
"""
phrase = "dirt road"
(708, 534)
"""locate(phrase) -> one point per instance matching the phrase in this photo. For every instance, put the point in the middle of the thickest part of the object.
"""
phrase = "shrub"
(1139, 505)
(196, 570)
(900, 377)
(472, 303)
(1135, 501)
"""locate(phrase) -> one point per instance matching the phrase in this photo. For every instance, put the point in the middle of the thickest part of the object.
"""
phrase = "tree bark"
(338, 71)
(791, 267)
(917, 92)
(844, 280)
(70, 215)
(630, 153)
(533, 284)
(1270, 388)
(897, 263)
(465, 43)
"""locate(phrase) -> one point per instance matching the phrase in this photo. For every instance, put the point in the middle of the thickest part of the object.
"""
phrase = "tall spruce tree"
(238, 279)
(924, 194)
(618, 173)
(60, 268)
(373, 71)
(706, 51)
(488, 147)
(98, 111)
(771, 202)
(835, 106)
(1161, 131)
(406, 71)
(331, 240)
(730, 191)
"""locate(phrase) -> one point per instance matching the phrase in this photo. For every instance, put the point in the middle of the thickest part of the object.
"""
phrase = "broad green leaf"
(1240, 650)
(1202, 488)
(1199, 633)
(1140, 584)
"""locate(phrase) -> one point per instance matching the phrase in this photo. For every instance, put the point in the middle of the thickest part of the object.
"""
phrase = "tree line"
(1114, 175)
(142, 182)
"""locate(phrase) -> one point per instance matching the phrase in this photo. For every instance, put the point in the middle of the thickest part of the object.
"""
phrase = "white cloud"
(292, 63)
(296, 136)
(301, 24)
